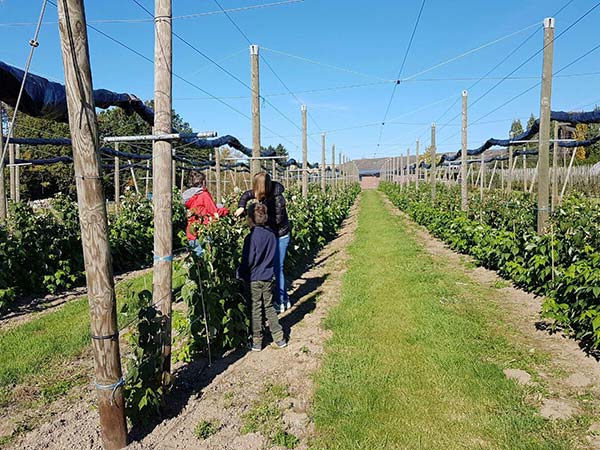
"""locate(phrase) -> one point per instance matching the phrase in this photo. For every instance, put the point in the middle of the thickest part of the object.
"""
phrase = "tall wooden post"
(304, 154)
(173, 169)
(2, 180)
(555, 168)
(11, 170)
(333, 174)
(433, 162)
(218, 174)
(464, 201)
(544, 134)
(510, 166)
(417, 168)
(118, 181)
(407, 167)
(133, 177)
(162, 183)
(273, 169)
(147, 184)
(254, 75)
(93, 223)
(323, 162)
(482, 176)
(17, 174)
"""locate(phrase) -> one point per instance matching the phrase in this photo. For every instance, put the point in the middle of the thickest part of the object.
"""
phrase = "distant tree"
(516, 127)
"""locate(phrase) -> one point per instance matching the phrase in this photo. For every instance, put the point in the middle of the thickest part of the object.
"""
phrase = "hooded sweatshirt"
(278, 219)
(200, 208)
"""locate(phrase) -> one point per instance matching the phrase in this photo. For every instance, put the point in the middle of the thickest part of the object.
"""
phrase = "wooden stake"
(254, 75)
(323, 162)
(93, 223)
(218, 174)
(2, 176)
(133, 177)
(333, 174)
(17, 174)
(555, 167)
(117, 182)
(304, 154)
(544, 133)
(433, 162)
(147, 177)
(417, 168)
(162, 183)
(11, 170)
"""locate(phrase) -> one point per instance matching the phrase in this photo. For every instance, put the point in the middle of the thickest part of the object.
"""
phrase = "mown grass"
(417, 353)
(39, 350)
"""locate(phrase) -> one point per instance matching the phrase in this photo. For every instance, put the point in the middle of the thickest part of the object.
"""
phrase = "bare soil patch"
(225, 393)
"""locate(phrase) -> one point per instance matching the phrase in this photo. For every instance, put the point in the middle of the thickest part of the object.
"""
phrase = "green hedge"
(500, 232)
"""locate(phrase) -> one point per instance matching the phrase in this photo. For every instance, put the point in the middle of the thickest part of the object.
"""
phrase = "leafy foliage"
(500, 232)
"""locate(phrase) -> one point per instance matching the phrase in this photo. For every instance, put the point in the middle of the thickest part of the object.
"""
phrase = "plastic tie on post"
(111, 387)
(108, 336)
(163, 258)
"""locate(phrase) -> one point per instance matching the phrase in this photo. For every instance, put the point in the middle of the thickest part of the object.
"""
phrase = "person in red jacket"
(200, 208)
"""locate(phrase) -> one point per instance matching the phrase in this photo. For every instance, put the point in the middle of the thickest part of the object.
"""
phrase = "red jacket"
(201, 208)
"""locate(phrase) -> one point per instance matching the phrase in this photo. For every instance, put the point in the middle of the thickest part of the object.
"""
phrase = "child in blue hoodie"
(257, 271)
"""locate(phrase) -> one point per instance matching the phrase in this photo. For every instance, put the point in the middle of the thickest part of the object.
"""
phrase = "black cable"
(412, 36)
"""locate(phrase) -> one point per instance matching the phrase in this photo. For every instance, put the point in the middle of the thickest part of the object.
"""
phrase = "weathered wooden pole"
(2, 178)
(255, 79)
(417, 168)
(433, 162)
(323, 162)
(147, 184)
(182, 182)
(273, 169)
(510, 166)
(407, 170)
(544, 134)
(117, 182)
(93, 223)
(333, 174)
(304, 154)
(218, 174)
(11, 170)
(555, 168)
(162, 183)
(481, 176)
(464, 201)
(17, 174)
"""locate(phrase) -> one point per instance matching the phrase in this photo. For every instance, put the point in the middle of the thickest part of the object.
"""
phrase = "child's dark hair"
(257, 213)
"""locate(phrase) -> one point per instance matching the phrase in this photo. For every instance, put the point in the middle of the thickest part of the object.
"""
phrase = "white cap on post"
(254, 49)
(303, 108)
(464, 93)
(549, 22)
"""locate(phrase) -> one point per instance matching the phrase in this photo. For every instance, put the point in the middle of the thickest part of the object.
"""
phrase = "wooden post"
(482, 176)
(417, 168)
(147, 184)
(273, 169)
(2, 166)
(117, 181)
(162, 183)
(11, 170)
(254, 75)
(182, 182)
(218, 174)
(555, 168)
(433, 162)
(510, 166)
(304, 154)
(333, 175)
(407, 167)
(464, 202)
(17, 174)
(93, 223)
(493, 174)
(323, 162)
(544, 134)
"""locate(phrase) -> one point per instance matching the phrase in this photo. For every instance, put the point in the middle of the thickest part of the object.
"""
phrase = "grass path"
(417, 354)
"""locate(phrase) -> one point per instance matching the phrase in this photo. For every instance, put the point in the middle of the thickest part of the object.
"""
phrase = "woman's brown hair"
(261, 185)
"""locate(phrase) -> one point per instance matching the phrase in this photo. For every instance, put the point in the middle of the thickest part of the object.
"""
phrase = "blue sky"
(367, 38)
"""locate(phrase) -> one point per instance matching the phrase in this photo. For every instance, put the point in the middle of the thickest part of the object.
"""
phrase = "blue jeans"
(196, 247)
(282, 245)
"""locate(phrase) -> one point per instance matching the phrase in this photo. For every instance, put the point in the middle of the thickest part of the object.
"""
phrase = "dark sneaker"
(255, 347)
(281, 344)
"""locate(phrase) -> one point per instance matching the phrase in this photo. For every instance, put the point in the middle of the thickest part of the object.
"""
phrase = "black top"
(275, 203)
(258, 255)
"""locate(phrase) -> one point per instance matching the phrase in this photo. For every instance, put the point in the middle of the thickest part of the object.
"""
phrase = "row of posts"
(395, 165)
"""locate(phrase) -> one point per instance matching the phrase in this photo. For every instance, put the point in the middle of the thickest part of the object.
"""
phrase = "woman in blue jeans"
(270, 193)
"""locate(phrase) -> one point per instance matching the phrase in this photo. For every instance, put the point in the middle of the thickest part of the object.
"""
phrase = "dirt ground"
(571, 376)
(224, 393)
